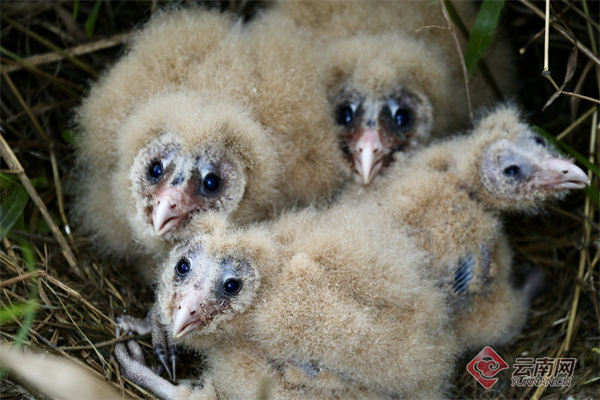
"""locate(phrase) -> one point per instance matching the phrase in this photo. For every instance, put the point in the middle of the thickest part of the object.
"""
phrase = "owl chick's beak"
(188, 313)
(368, 155)
(559, 174)
(169, 209)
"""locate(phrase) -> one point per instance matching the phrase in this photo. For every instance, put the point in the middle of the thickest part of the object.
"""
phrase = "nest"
(57, 296)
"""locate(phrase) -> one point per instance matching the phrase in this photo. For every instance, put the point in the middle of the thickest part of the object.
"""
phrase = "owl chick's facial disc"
(206, 290)
(175, 183)
(375, 128)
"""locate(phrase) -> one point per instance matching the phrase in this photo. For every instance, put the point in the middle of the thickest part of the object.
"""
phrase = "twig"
(560, 30)
(542, 388)
(546, 39)
(9, 171)
(34, 120)
(461, 57)
(59, 196)
(582, 254)
(14, 164)
(75, 51)
(24, 277)
(79, 297)
(547, 75)
(592, 38)
(9, 249)
(60, 82)
(541, 32)
(579, 86)
(57, 49)
(101, 344)
(589, 26)
(581, 13)
(100, 356)
(575, 124)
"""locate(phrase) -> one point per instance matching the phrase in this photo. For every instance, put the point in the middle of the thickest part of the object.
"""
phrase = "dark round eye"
(512, 170)
(211, 182)
(231, 286)
(402, 118)
(182, 267)
(539, 140)
(155, 170)
(344, 115)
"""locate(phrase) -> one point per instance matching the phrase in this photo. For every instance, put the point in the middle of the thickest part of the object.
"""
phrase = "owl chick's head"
(385, 90)
(213, 277)
(518, 167)
(190, 155)
(203, 290)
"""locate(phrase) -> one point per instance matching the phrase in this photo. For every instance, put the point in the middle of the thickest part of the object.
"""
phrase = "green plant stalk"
(589, 26)
(90, 23)
(75, 9)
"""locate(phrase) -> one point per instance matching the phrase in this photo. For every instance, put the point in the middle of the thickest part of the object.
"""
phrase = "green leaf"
(90, 23)
(39, 182)
(42, 226)
(69, 136)
(27, 309)
(75, 10)
(17, 311)
(7, 181)
(12, 207)
(592, 192)
(482, 32)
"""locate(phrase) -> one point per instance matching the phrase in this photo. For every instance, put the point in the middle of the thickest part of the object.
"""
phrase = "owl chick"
(394, 75)
(202, 114)
(451, 201)
(182, 155)
(152, 65)
(318, 306)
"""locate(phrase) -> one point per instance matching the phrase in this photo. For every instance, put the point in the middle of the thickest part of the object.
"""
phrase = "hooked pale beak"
(167, 211)
(368, 155)
(188, 314)
(560, 174)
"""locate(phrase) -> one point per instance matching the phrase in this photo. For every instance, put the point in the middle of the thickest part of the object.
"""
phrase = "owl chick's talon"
(164, 349)
(173, 359)
(160, 353)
